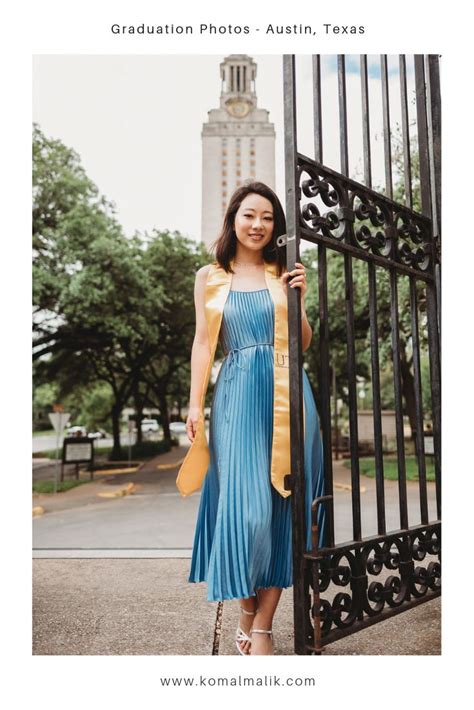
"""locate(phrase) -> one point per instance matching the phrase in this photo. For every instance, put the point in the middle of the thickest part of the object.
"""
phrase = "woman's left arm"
(306, 330)
(299, 281)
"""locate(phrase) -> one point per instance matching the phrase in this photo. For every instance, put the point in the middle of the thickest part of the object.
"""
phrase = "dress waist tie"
(234, 359)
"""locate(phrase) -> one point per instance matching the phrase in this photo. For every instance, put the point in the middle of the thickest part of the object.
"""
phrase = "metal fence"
(343, 587)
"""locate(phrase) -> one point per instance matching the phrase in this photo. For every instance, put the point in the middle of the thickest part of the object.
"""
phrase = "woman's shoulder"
(203, 272)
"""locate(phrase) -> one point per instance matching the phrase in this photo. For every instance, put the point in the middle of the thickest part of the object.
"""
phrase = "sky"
(136, 122)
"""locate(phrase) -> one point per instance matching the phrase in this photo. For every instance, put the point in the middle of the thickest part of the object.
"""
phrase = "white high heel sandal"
(241, 635)
(263, 631)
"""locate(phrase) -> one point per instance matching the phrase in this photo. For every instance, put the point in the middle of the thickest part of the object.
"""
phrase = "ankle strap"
(261, 631)
(249, 613)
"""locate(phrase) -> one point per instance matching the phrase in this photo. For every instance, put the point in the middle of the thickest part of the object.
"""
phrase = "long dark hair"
(226, 244)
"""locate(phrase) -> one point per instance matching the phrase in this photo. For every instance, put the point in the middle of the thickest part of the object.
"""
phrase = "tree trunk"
(165, 420)
(408, 389)
(116, 449)
(138, 418)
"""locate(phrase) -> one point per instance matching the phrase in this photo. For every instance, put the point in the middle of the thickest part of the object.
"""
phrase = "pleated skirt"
(243, 536)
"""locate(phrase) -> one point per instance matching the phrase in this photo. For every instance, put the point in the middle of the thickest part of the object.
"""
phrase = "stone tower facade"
(238, 143)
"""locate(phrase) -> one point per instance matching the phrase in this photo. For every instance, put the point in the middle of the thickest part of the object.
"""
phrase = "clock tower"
(238, 143)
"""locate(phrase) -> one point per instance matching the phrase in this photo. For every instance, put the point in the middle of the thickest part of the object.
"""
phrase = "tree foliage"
(107, 309)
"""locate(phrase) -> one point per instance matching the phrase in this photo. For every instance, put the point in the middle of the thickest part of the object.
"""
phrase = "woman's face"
(253, 222)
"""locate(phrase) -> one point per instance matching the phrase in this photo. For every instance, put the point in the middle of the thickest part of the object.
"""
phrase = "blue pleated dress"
(243, 537)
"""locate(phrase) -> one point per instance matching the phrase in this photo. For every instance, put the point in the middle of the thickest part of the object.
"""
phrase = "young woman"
(242, 545)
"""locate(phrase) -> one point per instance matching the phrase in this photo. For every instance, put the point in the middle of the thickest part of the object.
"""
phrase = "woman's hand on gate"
(192, 422)
(298, 280)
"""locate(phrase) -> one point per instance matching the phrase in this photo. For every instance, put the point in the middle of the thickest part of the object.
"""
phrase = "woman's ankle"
(263, 621)
(248, 606)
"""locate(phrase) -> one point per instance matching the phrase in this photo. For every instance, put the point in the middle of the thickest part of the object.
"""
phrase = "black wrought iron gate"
(393, 570)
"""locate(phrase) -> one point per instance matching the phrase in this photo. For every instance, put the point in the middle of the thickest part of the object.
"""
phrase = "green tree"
(107, 309)
(171, 262)
(87, 279)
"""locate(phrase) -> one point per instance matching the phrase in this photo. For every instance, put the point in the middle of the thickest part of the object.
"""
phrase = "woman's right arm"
(200, 353)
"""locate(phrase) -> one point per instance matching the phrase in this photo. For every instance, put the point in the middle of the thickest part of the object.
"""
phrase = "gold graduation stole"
(196, 462)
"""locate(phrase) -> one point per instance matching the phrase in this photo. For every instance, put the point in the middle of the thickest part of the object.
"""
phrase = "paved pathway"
(136, 606)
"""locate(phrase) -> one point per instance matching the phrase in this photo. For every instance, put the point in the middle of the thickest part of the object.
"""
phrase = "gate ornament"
(362, 218)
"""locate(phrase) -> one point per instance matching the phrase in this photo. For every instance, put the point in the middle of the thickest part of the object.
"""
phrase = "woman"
(242, 545)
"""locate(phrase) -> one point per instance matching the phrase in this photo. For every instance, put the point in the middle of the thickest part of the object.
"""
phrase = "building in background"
(238, 143)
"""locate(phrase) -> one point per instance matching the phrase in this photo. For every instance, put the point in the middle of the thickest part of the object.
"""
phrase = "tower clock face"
(238, 109)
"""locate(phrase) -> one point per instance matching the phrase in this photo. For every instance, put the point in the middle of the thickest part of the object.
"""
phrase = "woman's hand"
(192, 422)
(298, 280)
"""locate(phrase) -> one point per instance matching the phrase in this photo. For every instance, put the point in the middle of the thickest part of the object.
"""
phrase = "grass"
(48, 486)
(390, 468)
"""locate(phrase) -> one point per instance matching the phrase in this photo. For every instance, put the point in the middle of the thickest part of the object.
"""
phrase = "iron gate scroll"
(378, 576)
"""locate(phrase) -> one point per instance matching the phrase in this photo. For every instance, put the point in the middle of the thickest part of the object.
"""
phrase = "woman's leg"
(268, 599)
(246, 621)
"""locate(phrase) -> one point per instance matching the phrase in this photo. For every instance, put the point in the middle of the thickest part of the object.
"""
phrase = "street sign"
(429, 445)
(78, 450)
(59, 420)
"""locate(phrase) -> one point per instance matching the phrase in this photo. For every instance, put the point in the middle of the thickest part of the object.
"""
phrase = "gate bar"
(420, 440)
(301, 603)
(386, 126)
(324, 370)
(434, 141)
(435, 377)
(376, 399)
(397, 381)
(374, 340)
(365, 121)
(349, 299)
(432, 293)
(405, 132)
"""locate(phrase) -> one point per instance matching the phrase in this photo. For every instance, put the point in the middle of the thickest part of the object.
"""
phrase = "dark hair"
(225, 245)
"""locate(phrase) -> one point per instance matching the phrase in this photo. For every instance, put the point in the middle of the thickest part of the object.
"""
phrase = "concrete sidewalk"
(143, 604)
(147, 607)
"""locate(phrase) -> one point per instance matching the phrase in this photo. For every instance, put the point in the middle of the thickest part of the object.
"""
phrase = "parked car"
(177, 427)
(98, 434)
(76, 431)
(149, 425)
